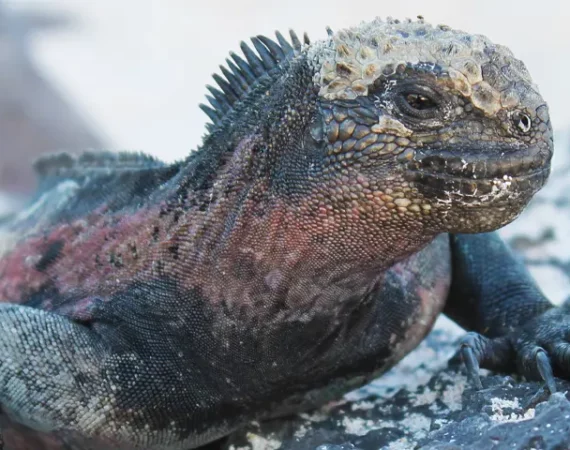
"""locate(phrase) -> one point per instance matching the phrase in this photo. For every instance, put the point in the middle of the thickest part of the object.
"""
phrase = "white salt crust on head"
(350, 60)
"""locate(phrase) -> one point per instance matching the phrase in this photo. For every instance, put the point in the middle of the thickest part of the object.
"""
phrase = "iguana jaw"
(481, 193)
(492, 162)
(485, 190)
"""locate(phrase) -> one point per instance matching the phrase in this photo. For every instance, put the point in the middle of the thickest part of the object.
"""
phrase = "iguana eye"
(418, 104)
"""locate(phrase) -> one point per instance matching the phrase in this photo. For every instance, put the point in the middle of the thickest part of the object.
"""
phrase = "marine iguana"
(344, 196)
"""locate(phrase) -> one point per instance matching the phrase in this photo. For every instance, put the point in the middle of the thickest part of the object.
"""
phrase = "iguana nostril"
(523, 122)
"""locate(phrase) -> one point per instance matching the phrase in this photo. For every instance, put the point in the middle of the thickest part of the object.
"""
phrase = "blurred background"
(129, 74)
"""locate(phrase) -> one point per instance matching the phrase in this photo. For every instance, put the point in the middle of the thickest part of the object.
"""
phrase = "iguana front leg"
(63, 385)
(60, 379)
(50, 375)
(514, 327)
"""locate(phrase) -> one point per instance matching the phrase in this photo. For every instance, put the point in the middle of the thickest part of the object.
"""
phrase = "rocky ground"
(426, 402)
(442, 413)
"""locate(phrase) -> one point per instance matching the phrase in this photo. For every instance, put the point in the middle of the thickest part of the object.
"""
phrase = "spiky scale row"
(267, 59)
(238, 83)
(211, 113)
(244, 68)
(275, 50)
(252, 59)
(240, 74)
(227, 88)
(222, 101)
(296, 42)
(284, 43)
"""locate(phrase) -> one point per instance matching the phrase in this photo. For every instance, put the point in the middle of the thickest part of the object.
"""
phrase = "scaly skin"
(302, 250)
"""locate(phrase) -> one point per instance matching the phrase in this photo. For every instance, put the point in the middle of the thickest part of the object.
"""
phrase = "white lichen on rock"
(258, 442)
(501, 407)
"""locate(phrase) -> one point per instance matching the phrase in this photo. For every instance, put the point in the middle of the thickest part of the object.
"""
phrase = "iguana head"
(390, 126)
(450, 123)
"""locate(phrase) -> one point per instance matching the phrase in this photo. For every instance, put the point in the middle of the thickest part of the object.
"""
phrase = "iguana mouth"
(529, 182)
(474, 175)
(475, 164)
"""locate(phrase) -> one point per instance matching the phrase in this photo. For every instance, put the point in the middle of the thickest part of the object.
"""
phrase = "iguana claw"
(472, 365)
(477, 350)
(536, 350)
(545, 370)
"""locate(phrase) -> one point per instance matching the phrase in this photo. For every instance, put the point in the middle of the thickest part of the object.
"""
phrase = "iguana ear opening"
(243, 75)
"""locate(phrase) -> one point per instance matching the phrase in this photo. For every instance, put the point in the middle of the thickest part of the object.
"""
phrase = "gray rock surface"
(426, 401)
(444, 413)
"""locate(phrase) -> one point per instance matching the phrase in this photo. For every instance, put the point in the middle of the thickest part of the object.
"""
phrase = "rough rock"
(426, 401)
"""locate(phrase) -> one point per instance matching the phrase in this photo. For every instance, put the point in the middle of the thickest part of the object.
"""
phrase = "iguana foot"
(537, 350)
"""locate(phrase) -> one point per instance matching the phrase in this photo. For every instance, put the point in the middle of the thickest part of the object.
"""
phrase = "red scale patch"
(97, 255)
